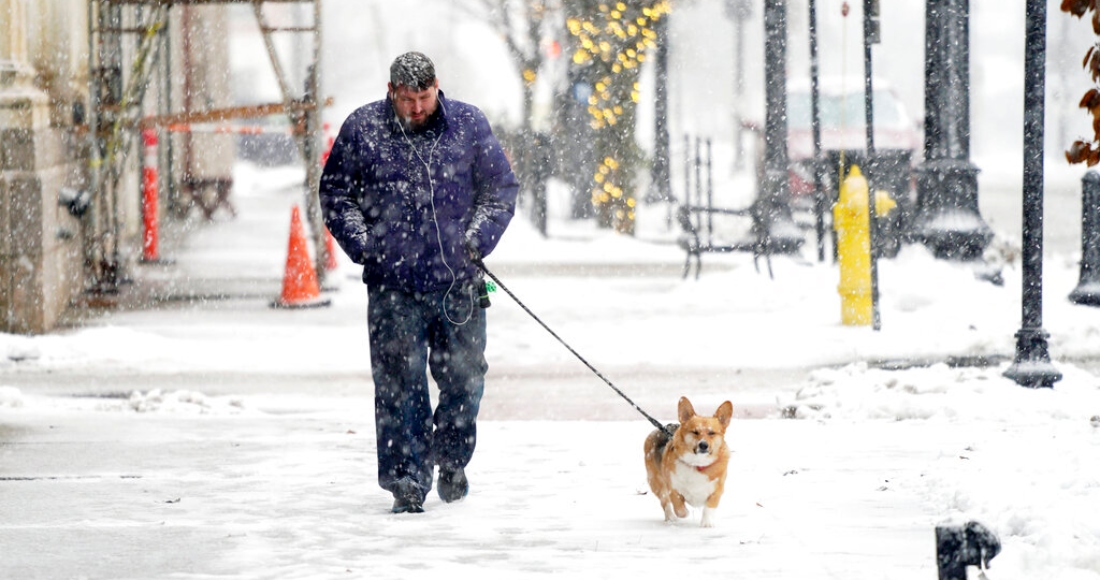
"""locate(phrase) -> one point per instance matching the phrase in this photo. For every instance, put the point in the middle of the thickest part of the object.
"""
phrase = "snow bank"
(157, 401)
(10, 397)
(941, 392)
(181, 402)
(1027, 469)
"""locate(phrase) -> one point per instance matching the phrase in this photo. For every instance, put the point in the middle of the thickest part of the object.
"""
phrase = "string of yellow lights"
(614, 41)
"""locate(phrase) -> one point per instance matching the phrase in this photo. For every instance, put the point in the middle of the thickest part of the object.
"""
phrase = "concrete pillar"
(58, 51)
(40, 266)
(21, 104)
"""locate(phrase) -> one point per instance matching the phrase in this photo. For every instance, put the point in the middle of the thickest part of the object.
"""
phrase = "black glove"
(472, 251)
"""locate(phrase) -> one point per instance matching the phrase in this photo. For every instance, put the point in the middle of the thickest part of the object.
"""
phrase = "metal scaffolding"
(130, 47)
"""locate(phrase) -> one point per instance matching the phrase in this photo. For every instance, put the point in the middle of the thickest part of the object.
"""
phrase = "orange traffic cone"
(330, 247)
(300, 288)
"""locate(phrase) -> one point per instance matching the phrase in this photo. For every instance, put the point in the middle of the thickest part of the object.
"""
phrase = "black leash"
(655, 422)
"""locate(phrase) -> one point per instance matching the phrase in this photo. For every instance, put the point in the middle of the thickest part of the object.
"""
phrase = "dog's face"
(700, 438)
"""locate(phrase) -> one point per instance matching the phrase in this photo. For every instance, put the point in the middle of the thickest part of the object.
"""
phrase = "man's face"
(414, 107)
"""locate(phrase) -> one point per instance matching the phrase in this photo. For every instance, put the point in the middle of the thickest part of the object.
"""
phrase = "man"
(416, 190)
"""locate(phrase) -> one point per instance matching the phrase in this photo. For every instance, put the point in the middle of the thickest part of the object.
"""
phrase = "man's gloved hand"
(472, 251)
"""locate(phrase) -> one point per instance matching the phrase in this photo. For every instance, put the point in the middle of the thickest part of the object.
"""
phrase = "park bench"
(698, 236)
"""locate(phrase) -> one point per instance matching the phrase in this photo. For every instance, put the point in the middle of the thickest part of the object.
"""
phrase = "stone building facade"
(43, 77)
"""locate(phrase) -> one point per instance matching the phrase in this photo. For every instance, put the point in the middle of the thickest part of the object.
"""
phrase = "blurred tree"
(524, 27)
(528, 29)
(1088, 151)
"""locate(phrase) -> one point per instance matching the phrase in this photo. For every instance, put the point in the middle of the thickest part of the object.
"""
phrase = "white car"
(843, 127)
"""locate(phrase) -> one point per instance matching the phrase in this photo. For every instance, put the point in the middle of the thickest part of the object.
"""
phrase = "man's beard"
(412, 125)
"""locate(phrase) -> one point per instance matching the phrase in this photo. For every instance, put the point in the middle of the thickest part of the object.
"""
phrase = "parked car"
(844, 128)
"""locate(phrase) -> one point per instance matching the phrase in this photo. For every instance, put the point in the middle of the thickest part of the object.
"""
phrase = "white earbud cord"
(435, 220)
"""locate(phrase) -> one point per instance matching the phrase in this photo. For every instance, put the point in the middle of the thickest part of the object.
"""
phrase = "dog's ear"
(685, 410)
(724, 414)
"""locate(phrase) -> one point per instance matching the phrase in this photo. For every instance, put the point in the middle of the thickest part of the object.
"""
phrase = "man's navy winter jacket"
(393, 198)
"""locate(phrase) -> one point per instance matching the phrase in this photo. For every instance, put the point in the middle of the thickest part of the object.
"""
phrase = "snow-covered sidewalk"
(181, 485)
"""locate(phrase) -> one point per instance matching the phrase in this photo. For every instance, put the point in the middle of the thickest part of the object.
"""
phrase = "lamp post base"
(1032, 367)
(947, 220)
(1086, 294)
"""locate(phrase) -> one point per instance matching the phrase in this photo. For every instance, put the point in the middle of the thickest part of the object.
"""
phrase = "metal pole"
(168, 151)
(869, 111)
(1032, 366)
(687, 169)
(107, 98)
(710, 195)
(739, 93)
(699, 179)
(815, 125)
(313, 146)
(661, 188)
(93, 219)
(739, 11)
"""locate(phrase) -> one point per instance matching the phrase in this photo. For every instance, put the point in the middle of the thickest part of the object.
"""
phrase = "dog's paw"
(708, 518)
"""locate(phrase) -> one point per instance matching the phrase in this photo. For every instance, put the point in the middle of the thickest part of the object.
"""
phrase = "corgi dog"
(689, 467)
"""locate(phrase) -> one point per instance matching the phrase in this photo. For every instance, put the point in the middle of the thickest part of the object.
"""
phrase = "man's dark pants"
(411, 333)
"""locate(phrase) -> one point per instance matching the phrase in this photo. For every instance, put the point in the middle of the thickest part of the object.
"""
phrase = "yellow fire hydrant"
(853, 242)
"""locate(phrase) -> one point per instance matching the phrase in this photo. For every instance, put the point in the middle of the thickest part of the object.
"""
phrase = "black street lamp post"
(947, 220)
(772, 217)
(815, 128)
(870, 36)
(1087, 291)
(1032, 366)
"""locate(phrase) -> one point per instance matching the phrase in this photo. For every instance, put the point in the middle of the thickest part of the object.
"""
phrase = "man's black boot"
(452, 485)
(407, 498)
